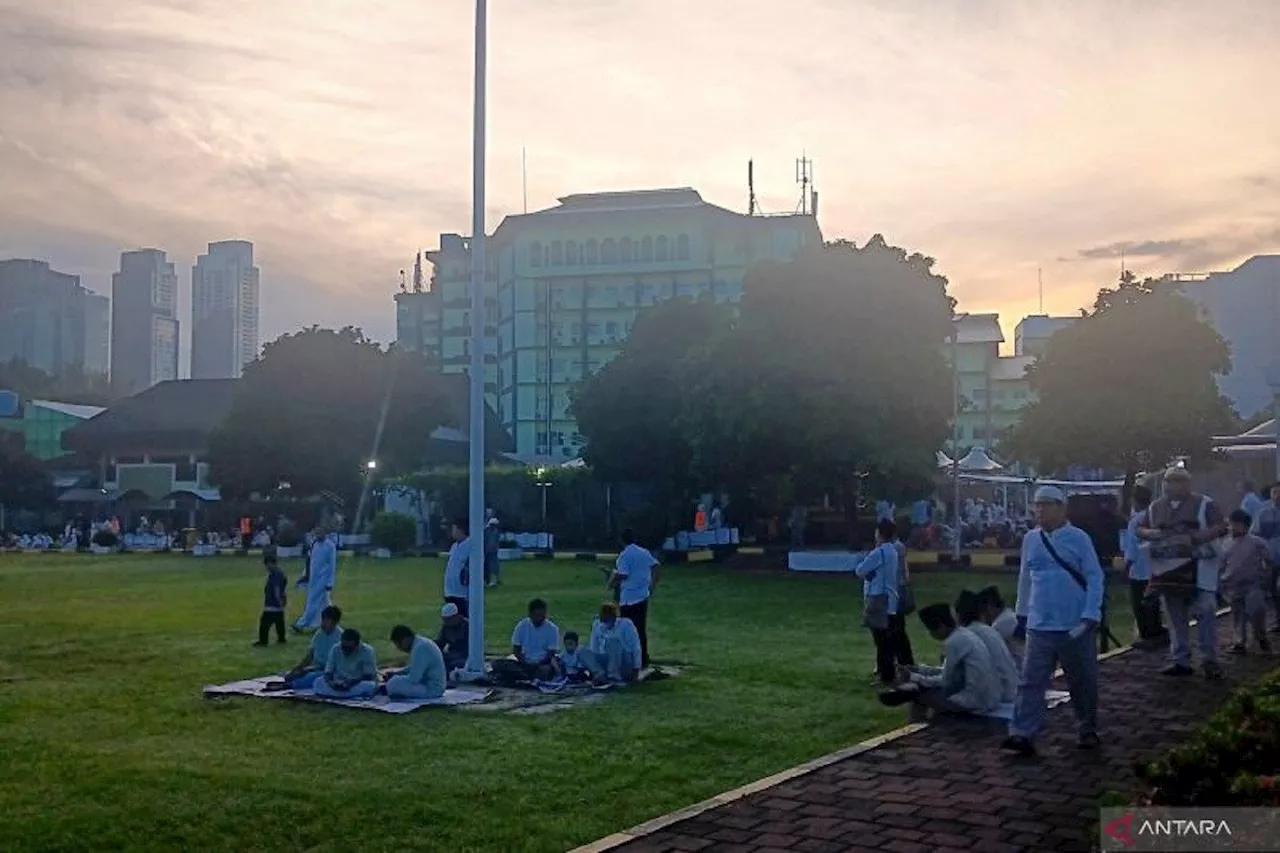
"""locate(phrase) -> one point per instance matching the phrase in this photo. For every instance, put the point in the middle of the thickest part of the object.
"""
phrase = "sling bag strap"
(1057, 558)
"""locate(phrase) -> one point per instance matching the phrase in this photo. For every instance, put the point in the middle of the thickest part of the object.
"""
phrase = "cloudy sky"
(1000, 136)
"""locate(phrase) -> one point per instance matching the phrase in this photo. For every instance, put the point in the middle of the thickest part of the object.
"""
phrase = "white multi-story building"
(1244, 306)
(224, 310)
(144, 320)
(1033, 333)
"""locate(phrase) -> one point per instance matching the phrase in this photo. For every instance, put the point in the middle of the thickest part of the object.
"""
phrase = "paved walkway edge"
(635, 833)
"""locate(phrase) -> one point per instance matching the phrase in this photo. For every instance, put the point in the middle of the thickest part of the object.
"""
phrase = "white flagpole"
(475, 563)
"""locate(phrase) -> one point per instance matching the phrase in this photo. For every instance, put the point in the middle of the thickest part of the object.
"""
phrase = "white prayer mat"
(259, 687)
(1052, 699)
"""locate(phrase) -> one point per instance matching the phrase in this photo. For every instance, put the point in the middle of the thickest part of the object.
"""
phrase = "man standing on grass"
(1060, 587)
(322, 569)
(456, 570)
(635, 576)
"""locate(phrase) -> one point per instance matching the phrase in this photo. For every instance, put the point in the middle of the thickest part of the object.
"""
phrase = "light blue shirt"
(1048, 596)
(572, 662)
(635, 568)
(881, 574)
(459, 553)
(1138, 558)
(361, 666)
(624, 631)
(537, 643)
(1251, 503)
(884, 510)
(426, 666)
(324, 562)
(322, 644)
(920, 511)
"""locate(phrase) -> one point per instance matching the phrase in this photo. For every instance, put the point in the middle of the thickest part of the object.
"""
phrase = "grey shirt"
(968, 676)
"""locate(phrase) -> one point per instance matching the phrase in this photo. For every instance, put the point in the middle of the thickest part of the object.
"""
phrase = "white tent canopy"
(944, 461)
(978, 460)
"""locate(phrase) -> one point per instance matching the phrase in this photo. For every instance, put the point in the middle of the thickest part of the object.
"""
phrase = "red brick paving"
(948, 787)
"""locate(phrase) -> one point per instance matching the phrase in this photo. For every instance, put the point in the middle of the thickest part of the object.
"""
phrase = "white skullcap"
(1177, 472)
(448, 610)
(1050, 494)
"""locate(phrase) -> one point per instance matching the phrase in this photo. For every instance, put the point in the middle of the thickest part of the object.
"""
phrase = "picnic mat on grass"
(259, 687)
(1052, 699)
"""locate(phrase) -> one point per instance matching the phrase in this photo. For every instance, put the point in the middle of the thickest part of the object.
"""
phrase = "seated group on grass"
(613, 653)
(339, 665)
(979, 671)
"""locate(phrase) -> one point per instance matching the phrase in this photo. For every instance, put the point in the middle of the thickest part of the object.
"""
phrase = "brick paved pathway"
(947, 787)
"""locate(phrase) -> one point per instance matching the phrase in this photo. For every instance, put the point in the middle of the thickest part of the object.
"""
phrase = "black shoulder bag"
(1057, 558)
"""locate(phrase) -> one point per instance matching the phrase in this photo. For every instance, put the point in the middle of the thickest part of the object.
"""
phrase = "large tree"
(307, 413)
(831, 371)
(24, 482)
(1127, 387)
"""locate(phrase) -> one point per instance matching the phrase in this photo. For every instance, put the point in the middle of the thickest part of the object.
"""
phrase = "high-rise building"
(1244, 306)
(564, 286)
(48, 320)
(144, 321)
(224, 310)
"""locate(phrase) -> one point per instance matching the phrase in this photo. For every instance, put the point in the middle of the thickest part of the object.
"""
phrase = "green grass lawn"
(107, 743)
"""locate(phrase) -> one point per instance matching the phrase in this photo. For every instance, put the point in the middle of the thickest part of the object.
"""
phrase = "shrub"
(394, 531)
(1231, 761)
(105, 539)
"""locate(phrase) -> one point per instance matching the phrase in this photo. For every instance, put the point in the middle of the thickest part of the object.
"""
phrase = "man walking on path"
(1183, 528)
(1060, 588)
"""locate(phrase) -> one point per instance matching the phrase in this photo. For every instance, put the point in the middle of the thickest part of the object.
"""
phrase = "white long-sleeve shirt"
(1048, 596)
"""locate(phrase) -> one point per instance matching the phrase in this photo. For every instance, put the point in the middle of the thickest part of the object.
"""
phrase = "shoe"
(1236, 649)
(895, 697)
(281, 641)
(1019, 746)
(1089, 740)
(1177, 670)
(1213, 672)
(259, 644)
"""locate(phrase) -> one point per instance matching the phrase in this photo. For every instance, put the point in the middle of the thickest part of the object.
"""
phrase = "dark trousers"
(886, 654)
(639, 614)
(1146, 611)
(901, 642)
(461, 602)
(268, 620)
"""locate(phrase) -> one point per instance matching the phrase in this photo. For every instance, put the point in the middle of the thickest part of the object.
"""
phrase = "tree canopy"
(70, 385)
(307, 413)
(1129, 386)
(24, 482)
(830, 370)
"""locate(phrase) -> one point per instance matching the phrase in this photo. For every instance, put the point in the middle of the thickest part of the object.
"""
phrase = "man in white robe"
(321, 574)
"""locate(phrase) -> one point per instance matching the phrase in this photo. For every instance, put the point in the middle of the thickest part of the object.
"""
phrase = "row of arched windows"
(609, 251)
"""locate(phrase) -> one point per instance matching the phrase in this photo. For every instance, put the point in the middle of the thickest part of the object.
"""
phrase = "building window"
(663, 252)
(535, 254)
(608, 252)
(571, 256)
(646, 249)
(557, 254)
(682, 247)
(626, 250)
(591, 256)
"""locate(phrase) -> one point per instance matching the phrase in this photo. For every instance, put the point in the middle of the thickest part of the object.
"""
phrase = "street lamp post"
(543, 484)
(475, 656)
(955, 433)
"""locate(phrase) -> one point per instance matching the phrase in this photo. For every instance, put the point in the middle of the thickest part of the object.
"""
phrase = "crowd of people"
(1182, 557)
(339, 663)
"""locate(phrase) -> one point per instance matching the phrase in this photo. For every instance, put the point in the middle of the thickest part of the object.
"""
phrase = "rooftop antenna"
(1122, 269)
(804, 177)
(752, 207)
(524, 178)
(402, 281)
(417, 273)
(1040, 280)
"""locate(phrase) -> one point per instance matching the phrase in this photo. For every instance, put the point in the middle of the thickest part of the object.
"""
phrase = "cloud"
(996, 137)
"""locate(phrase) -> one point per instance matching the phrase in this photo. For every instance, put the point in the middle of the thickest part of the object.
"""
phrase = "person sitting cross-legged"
(454, 638)
(309, 670)
(352, 670)
(424, 678)
(613, 653)
(535, 642)
(966, 683)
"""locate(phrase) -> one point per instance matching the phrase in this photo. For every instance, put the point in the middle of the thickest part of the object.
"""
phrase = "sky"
(1000, 138)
